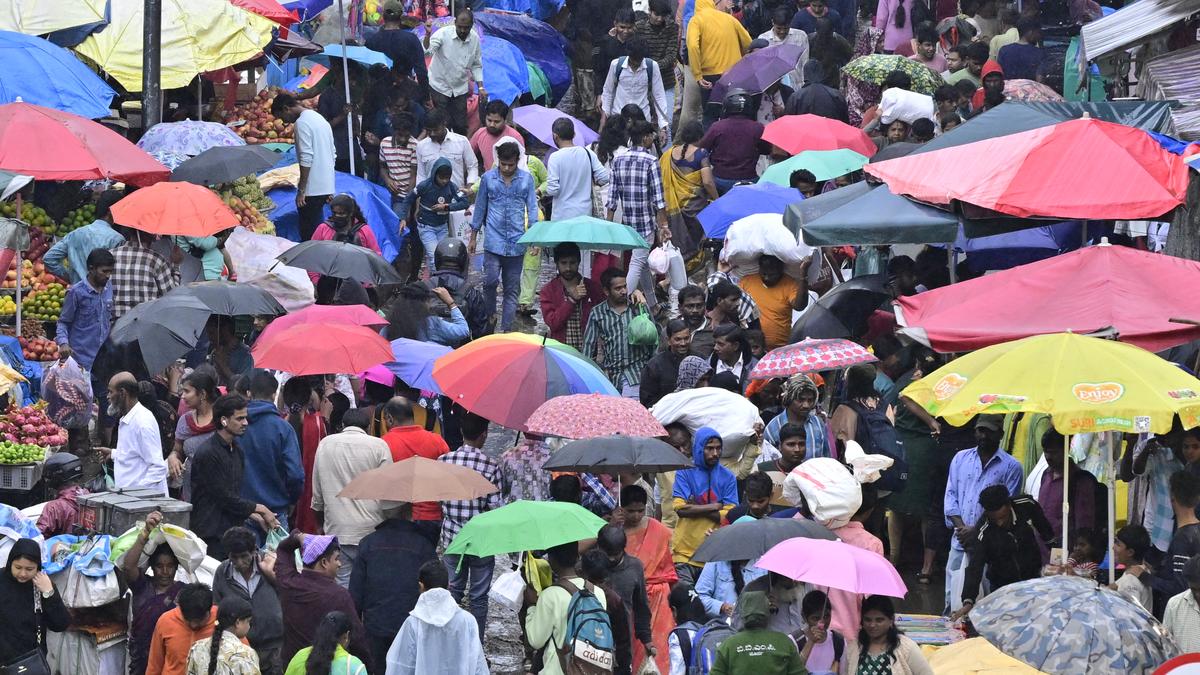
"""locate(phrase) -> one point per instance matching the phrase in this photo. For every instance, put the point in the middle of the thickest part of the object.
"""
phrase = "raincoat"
(700, 485)
(438, 638)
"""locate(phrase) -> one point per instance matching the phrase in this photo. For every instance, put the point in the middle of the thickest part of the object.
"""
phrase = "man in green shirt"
(976, 54)
(755, 650)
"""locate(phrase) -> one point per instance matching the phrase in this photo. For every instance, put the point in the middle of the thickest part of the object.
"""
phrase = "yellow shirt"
(774, 306)
(715, 40)
(690, 533)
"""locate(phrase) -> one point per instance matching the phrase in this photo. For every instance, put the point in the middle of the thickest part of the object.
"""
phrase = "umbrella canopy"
(367, 57)
(164, 329)
(796, 133)
(198, 36)
(233, 299)
(10, 183)
(1029, 90)
(180, 209)
(225, 164)
(758, 70)
(418, 479)
(616, 455)
(82, 149)
(874, 68)
(743, 201)
(823, 164)
(1085, 384)
(506, 377)
(586, 231)
(38, 17)
(1019, 247)
(808, 356)
(342, 260)
(504, 70)
(894, 150)
(537, 120)
(843, 311)
(1116, 172)
(316, 349)
(977, 656)
(525, 526)
(865, 214)
(349, 315)
(593, 415)
(269, 9)
(188, 137)
(414, 361)
(40, 72)
(1069, 624)
(835, 564)
(539, 42)
(751, 539)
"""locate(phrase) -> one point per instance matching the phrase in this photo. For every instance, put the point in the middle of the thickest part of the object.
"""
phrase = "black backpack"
(877, 436)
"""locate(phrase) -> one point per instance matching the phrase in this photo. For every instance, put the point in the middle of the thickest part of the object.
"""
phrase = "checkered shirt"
(140, 275)
(455, 514)
(637, 186)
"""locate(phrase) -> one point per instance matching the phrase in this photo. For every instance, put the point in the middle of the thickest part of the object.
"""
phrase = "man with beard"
(495, 127)
(659, 375)
(991, 93)
(691, 311)
(799, 399)
(567, 299)
(776, 295)
(138, 458)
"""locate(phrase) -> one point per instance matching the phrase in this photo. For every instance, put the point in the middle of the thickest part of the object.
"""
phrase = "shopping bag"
(83, 590)
(188, 548)
(642, 331)
(274, 537)
(509, 590)
(67, 390)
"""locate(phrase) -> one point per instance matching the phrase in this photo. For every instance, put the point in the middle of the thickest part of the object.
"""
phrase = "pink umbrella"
(809, 356)
(834, 564)
(590, 415)
(353, 315)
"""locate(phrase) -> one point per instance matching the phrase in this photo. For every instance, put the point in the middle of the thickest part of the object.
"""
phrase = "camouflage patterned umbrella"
(874, 68)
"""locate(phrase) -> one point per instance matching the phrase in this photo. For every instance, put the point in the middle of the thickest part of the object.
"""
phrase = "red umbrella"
(593, 415)
(1083, 168)
(1133, 291)
(808, 356)
(318, 349)
(179, 209)
(270, 9)
(52, 145)
(348, 315)
(796, 133)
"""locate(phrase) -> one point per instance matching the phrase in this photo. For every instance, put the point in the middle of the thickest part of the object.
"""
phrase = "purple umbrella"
(537, 120)
(414, 362)
(758, 70)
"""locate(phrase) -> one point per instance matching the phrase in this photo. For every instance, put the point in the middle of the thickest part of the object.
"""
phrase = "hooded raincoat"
(438, 638)
(700, 485)
(22, 620)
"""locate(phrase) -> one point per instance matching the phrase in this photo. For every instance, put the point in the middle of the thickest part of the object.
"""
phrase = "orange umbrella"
(181, 209)
(418, 479)
(318, 349)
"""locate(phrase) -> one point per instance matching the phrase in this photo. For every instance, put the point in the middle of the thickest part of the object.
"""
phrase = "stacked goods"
(34, 215)
(76, 219)
(38, 349)
(21, 453)
(30, 425)
(32, 330)
(27, 277)
(45, 304)
(252, 219)
(260, 125)
(245, 196)
(39, 243)
(8, 306)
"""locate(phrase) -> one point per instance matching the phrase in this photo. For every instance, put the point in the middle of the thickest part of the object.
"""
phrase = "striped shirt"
(664, 45)
(400, 162)
(621, 362)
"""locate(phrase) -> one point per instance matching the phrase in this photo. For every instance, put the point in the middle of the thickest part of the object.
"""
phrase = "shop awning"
(1175, 76)
(1131, 24)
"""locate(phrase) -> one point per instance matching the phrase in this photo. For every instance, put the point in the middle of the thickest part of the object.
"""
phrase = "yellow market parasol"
(198, 36)
(977, 656)
(38, 17)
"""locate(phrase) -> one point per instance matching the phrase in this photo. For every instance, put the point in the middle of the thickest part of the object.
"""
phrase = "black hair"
(1095, 540)
(408, 314)
(993, 497)
(508, 152)
(194, 601)
(227, 406)
(676, 326)
(359, 418)
(791, 430)
(105, 203)
(635, 494)
(283, 102)
(896, 78)
(564, 128)
(945, 92)
(1185, 488)
(639, 129)
(613, 135)
(860, 381)
(163, 549)
(565, 556)
(724, 289)
(472, 426)
(465, 11)
(403, 123)
(594, 565)
(686, 603)
(923, 128)
(341, 406)
(870, 499)
(949, 118)
(690, 291)
(801, 176)
(965, 88)
(623, 15)
(608, 275)
(977, 51)
(660, 7)
(434, 118)
(567, 249)
(690, 133)
(201, 381)
(758, 486)
(433, 574)
(731, 332)
(1053, 438)
(781, 17)
(926, 33)
(231, 610)
(328, 635)
(1025, 25)
(883, 605)
(813, 602)
(566, 488)
(100, 257)
(611, 538)
(297, 394)
(638, 48)
(886, 345)
(1191, 570)
(496, 107)
(237, 540)
(263, 385)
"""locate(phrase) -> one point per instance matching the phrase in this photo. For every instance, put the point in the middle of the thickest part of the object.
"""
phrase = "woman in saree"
(687, 187)
(650, 541)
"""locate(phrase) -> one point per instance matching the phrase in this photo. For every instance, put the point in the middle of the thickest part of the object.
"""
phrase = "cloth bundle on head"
(730, 414)
(866, 468)
(906, 106)
(796, 386)
(315, 546)
(827, 487)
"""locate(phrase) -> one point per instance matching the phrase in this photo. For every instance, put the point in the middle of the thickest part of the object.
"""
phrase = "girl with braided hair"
(226, 653)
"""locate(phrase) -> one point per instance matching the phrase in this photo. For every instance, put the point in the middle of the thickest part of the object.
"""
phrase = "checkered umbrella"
(809, 356)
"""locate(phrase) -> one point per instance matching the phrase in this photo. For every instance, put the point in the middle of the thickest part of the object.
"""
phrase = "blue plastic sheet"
(504, 70)
(538, 9)
(39, 72)
(374, 200)
(540, 43)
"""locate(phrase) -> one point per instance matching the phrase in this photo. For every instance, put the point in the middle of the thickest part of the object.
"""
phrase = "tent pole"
(1066, 502)
(951, 262)
(1112, 507)
(346, 82)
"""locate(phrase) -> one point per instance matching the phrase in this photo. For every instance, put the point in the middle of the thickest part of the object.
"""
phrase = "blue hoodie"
(429, 193)
(274, 476)
(700, 485)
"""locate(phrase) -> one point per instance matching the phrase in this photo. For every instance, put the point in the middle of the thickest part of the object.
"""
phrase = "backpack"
(878, 437)
(685, 642)
(589, 648)
(649, 86)
(704, 646)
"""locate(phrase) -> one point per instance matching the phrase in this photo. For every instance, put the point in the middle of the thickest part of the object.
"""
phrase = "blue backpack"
(589, 648)
(703, 649)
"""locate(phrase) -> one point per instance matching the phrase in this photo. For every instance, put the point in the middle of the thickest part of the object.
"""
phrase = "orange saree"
(651, 543)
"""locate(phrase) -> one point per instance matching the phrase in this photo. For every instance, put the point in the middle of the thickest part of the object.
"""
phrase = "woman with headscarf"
(800, 398)
(694, 372)
(29, 606)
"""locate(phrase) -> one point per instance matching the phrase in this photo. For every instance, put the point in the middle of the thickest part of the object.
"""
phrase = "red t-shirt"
(412, 441)
(484, 143)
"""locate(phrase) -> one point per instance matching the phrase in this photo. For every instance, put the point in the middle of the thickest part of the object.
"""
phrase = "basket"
(20, 476)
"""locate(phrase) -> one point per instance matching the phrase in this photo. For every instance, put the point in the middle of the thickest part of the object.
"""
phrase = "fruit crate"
(20, 476)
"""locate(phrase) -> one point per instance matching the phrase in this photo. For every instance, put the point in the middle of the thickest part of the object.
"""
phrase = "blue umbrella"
(742, 201)
(542, 10)
(414, 362)
(37, 71)
(367, 57)
(374, 200)
(307, 9)
(504, 70)
(537, 40)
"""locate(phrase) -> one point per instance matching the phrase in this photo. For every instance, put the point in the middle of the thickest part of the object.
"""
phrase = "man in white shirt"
(782, 33)
(341, 457)
(636, 79)
(316, 154)
(456, 58)
(1182, 616)
(571, 172)
(138, 458)
(464, 166)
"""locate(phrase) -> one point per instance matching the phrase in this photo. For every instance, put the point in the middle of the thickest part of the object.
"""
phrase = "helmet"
(60, 468)
(450, 252)
(737, 102)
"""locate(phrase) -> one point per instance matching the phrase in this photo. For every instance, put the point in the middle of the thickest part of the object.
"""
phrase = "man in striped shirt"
(606, 338)
(398, 160)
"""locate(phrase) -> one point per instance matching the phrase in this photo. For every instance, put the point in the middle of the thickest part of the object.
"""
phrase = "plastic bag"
(67, 390)
(649, 667)
(667, 259)
(188, 548)
(761, 234)
(642, 331)
(827, 487)
(509, 590)
(253, 257)
(274, 537)
(14, 526)
(906, 106)
(867, 468)
(730, 415)
(82, 590)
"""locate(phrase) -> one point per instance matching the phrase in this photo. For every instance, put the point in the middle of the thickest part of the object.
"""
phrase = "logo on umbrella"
(1182, 393)
(1098, 393)
(948, 386)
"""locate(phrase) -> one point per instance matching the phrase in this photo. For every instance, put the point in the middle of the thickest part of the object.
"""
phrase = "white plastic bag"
(831, 492)
(906, 106)
(667, 259)
(82, 590)
(658, 261)
(867, 468)
(189, 549)
(253, 257)
(763, 234)
(732, 416)
(509, 590)
(649, 667)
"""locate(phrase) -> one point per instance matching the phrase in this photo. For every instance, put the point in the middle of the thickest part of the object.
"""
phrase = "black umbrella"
(843, 311)
(617, 454)
(747, 541)
(225, 164)
(232, 299)
(890, 152)
(341, 260)
(164, 329)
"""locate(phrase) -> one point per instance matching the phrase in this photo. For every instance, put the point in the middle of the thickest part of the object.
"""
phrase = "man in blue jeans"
(505, 204)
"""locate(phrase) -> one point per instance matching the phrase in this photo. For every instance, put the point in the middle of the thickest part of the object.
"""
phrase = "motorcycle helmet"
(61, 468)
(737, 102)
(450, 253)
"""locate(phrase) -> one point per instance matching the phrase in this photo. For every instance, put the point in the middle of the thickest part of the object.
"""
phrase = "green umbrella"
(525, 526)
(874, 68)
(824, 165)
(588, 232)
(278, 147)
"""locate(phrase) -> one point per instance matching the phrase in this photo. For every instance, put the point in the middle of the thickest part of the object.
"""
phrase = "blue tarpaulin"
(504, 70)
(538, 9)
(537, 40)
(374, 200)
(36, 71)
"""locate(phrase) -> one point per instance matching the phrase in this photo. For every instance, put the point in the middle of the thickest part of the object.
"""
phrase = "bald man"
(138, 458)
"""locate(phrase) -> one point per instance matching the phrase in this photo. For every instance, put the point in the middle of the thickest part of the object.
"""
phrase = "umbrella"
(180, 209)
(10, 183)
(758, 70)
(418, 479)
(843, 311)
(808, 356)
(506, 377)
(1116, 172)
(976, 656)
(1067, 624)
(865, 214)
(751, 539)
(796, 133)
(504, 70)
(164, 329)
(188, 137)
(232, 299)
(350, 315)
(367, 57)
(342, 260)
(835, 564)
(414, 361)
(587, 232)
(40, 72)
(537, 120)
(895, 150)
(592, 415)
(38, 17)
(49, 144)
(225, 164)
(315, 349)
(198, 36)
(742, 201)
(307, 9)
(269, 9)
(539, 42)
(874, 68)
(823, 164)
(525, 526)
(171, 160)
(1029, 90)
(374, 200)
(616, 455)
(1019, 247)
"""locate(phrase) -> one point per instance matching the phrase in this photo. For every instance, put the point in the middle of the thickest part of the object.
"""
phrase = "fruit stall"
(28, 438)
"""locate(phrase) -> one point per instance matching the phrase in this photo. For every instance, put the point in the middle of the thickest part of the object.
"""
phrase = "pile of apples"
(27, 277)
(30, 425)
(260, 125)
(251, 218)
(39, 349)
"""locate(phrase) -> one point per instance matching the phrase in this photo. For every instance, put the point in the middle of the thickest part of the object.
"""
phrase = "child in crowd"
(829, 650)
(1132, 543)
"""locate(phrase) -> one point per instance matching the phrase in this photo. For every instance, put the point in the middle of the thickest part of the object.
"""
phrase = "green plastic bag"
(642, 331)
(120, 545)
(274, 537)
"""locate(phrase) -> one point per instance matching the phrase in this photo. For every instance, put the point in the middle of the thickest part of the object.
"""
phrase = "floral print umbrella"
(188, 137)
(1029, 90)
(808, 356)
(874, 68)
(590, 415)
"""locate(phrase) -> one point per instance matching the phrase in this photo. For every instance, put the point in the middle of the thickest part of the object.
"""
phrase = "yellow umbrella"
(977, 656)
(198, 36)
(38, 17)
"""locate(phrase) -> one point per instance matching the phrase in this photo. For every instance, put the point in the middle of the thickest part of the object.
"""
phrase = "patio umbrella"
(40, 72)
(164, 329)
(1116, 172)
(865, 214)
(232, 299)
(38, 17)
(743, 201)
(796, 133)
(175, 209)
(350, 315)
(367, 57)
(341, 260)
(835, 564)
(414, 362)
(537, 120)
(49, 144)
(1068, 624)
(188, 137)
(418, 479)
(751, 539)
(269, 9)
(1029, 90)
(586, 231)
(809, 356)
(843, 311)
(313, 349)
(593, 415)
(10, 183)
(525, 526)
(616, 455)
(894, 150)
(823, 164)
(758, 70)
(874, 68)
(225, 164)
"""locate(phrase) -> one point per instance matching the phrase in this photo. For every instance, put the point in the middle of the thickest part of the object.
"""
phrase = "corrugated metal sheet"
(1131, 24)
(1176, 75)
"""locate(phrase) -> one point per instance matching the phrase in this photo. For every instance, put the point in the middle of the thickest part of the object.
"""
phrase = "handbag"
(33, 662)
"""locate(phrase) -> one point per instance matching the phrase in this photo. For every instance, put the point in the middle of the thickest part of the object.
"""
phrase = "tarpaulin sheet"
(537, 40)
